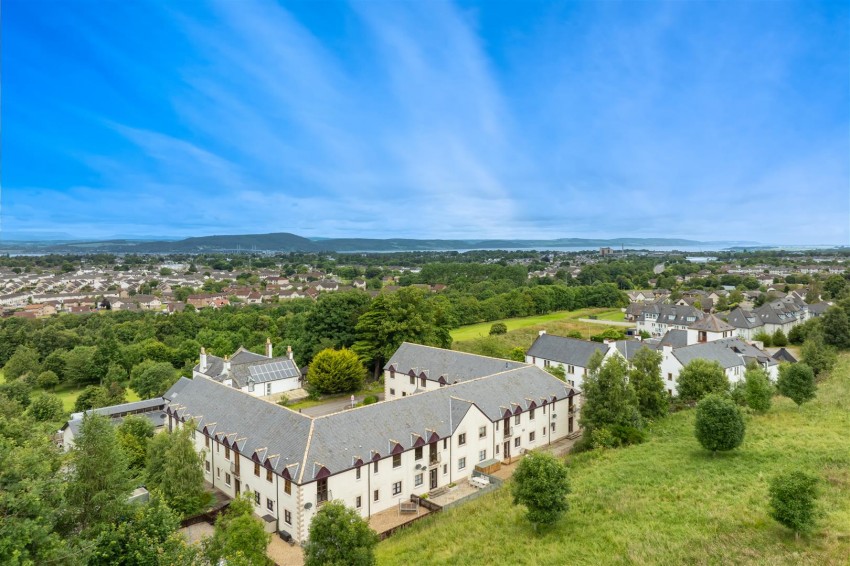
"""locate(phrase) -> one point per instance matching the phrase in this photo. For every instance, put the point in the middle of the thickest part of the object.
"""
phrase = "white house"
(250, 372)
(370, 457)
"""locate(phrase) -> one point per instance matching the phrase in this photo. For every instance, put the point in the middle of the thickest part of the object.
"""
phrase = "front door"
(507, 453)
(434, 478)
(238, 488)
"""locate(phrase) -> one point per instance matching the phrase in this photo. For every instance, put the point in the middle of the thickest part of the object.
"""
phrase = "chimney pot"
(268, 347)
(289, 352)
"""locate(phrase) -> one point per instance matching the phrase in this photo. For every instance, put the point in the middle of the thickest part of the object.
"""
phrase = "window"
(497, 449)
(396, 460)
(552, 427)
(422, 382)
(218, 472)
(226, 479)
(482, 431)
(376, 495)
(531, 436)
(268, 475)
(269, 504)
(516, 442)
(418, 479)
(669, 377)
(546, 363)
(571, 369)
(287, 487)
(268, 388)
(445, 469)
(206, 441)
(287, 517)
(404, 393)
(445, 443)
(358, 502)
(543, 431)
(417, 453)
(375, 466)
(516, 419)
(207, 466)
(412, 380)
(461, 439)
(531, 415)
(227, 453)
(397, 488)
(392, 391)
(257, 469)
(256, 497)
(358, 472)
(461, 463)
(482, 455)
(321, 491)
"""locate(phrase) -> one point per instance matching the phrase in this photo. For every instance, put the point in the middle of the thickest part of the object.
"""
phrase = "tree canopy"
(609, 400)
(645, 377)
(719, 423)
(335, 371)
(797, 382)
(700, 378)
(339, 536)
(541, 484)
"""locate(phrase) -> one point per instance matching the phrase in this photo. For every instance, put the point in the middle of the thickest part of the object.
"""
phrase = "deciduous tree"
(793, 499)
(541, 483)
(758, 392)
(154, 381)
(339, 536)
(239, 536)
(609, 399)
(719, 423)
(797, 382)
(46, 408)
(700, 378)
(24, 361)
(645, 377)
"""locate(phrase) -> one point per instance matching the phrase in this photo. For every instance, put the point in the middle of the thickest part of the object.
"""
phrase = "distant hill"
(286, 242)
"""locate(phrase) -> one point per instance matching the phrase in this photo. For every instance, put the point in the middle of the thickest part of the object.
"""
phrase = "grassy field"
(482, 330)
(370, 388)
(523, 331)
(69, 396)
(668, 501)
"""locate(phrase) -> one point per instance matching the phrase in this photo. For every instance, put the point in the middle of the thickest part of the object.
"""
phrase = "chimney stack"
(226, 364)
(268, 347)
(289, 352)
(202, 367)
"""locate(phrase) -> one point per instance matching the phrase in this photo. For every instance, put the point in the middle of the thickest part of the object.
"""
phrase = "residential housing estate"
(375, 456)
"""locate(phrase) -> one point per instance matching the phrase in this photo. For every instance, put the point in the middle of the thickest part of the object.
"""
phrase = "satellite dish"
(308, 505)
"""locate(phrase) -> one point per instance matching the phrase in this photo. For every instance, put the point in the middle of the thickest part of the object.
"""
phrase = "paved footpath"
(336, 405)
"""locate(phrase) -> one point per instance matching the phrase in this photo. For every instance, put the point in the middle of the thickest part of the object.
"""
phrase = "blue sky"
(712, 121)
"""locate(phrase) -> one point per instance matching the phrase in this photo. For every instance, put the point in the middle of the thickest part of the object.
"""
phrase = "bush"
(370, 399)
(575, 334)
(338, 535)
(817, 355)
(779, 339)
(541, 484)
(283, 401)
(517, 354)
(792, 500)
(738, 393)
(758, 392)
(764, 337)
(498, 328)
(719, 423)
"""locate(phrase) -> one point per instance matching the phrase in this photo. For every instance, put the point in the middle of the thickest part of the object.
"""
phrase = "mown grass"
(523, 331)
(668, 501)
(369, 388)
(482, 329)
(69, 394)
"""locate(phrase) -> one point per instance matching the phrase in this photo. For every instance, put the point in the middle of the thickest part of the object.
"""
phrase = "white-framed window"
(376, 495)
(418, 479)
(516, 419)
(445, 469)
(207, 465)
(358, 502)
(516, 442)
(226, 479)
(287, 517)
(531, 436)
(397, 488)
(256, 498)
(375, 466)
(461, 439)
(396, 460)
(531, 414)
(357, 472)
(269, 504)
(482, 432)
(482, 455)
(461, 463)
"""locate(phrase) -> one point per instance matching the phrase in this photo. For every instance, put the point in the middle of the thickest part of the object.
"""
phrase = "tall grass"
(668, 501)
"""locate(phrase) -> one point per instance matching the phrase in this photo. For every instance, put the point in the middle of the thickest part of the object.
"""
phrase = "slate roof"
(675, 338)
(628, 348)
(305, 445)
(449, 364)
(247, 368)
(729, 352)
(712, 323)
(571, 351)
(740, 318)
(783, 355)
(677, 315)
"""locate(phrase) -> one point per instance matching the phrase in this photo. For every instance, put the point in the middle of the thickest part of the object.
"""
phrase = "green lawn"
(482, 329)
(668, 501)
(69, 396)
(370, 388)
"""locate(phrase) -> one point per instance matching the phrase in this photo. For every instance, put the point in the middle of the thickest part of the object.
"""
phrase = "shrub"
(738, 393)
(541, 484)
(792, 500)
(335, 371)
(283, 401)
(370, 399)
(719, 423)
(47, 380)
(817, 355)
(338, 535)
(764, 337)
(779, 339)
(574, 334)
(758, 392)
(498, 328)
